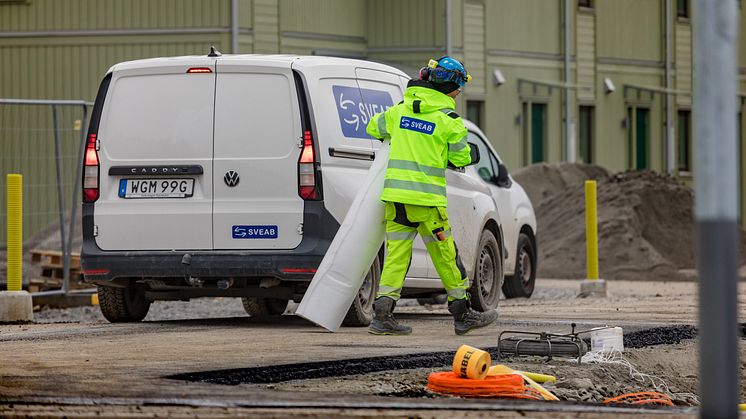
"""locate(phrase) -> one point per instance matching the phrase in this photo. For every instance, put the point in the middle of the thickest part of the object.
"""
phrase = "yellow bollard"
(591, 229)
(15, 231)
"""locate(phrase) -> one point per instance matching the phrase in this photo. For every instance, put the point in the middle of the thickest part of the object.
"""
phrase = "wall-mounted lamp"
(498, 77)
(518, 119)
(625, 123)
(608, 85)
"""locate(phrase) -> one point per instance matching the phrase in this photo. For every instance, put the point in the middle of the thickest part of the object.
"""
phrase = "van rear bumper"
(121, 266)
(109, 266)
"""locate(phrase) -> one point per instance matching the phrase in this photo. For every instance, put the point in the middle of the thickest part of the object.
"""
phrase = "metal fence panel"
(43, 141)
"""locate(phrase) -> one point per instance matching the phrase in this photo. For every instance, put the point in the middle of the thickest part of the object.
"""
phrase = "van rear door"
(257, 146)
(155, 139)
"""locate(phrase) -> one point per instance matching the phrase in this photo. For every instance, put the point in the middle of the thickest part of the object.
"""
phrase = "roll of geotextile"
(350, 255)
(471, 362)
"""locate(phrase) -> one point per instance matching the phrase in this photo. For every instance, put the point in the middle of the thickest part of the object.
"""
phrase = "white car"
(230, 175)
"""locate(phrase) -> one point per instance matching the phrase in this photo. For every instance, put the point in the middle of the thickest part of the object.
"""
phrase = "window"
(484, 167)
(585, 132)
(588, 4)
(684, 140)
(682, 8)
(474, 112)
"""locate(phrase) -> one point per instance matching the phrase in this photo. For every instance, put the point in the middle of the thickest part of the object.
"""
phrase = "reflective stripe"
(446, 111)
(415, 186)
(401, 235)
(458, 146)
(432, 239)
(414, 166)
(387, 291)
(457, 293)
(382, 127)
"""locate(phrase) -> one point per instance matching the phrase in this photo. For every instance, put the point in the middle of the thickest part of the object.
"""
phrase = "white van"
(230, 175)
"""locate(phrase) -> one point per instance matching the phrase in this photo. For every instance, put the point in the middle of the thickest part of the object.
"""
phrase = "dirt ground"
(646, 225)
(75, 369)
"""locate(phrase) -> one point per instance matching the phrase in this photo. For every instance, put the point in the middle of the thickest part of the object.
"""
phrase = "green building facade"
(601, 81)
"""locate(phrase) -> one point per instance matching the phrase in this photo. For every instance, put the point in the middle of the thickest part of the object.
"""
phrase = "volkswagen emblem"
(231, 178)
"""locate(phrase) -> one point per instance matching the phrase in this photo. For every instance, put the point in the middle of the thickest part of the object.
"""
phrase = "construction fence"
(43, 140)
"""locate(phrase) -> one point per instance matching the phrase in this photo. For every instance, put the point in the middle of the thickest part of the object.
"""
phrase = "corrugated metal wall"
(630, 29)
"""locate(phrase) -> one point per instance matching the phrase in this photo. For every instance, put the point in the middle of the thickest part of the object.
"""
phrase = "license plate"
(156, 188)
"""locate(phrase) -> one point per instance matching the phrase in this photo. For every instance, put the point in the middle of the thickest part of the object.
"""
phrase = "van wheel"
(119, 305)
(522, 282)
(360, 313)
(488, 274)
(264, 307)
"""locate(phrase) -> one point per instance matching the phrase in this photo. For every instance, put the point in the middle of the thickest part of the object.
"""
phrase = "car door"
(257, 132)
(486, 169)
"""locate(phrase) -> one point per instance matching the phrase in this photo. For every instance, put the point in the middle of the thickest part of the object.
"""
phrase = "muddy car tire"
(121, 305)
(264, 307)
(541, 347)
(360, 313)
(488, 274)
(523, 281)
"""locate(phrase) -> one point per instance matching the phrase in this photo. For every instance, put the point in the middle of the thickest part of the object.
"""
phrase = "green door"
(641, 138)
(538, 116)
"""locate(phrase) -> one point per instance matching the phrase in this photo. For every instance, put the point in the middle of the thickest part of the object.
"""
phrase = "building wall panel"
(586, 54)
(266, 27)
(410, 23)
(630, 29)
(338, 17)
(53, 15)
(683, 61)
(474, 58)
(524, 25)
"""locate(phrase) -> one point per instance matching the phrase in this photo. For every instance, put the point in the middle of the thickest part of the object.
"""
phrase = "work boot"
(466, 319)
(384, 322)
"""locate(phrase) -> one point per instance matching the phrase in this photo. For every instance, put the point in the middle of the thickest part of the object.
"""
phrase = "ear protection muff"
(425, 72)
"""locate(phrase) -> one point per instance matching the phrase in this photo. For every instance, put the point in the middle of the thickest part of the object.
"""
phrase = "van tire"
(360, 313)
(523, 281)
(264, 307)
(122, 305)
(488, 274)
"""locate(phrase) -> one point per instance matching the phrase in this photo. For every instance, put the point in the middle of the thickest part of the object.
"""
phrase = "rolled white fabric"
(342, 271)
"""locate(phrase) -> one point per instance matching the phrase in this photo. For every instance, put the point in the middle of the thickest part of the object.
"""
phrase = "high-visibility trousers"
(403, 222)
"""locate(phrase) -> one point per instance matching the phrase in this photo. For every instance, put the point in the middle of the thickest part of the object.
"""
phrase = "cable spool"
(607, 340)
(471, 362)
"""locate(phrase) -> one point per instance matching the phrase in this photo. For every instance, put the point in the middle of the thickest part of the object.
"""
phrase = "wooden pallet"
(53, 258)
(52, 273)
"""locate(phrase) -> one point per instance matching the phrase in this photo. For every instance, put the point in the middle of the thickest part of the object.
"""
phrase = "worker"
(425, 135)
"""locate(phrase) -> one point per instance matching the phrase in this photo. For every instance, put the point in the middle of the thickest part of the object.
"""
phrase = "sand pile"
(645, 222)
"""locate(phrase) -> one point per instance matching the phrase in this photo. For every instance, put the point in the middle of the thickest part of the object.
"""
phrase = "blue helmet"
(444, 70)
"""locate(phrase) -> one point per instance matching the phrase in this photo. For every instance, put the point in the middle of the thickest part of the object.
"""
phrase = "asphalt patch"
(667, 335)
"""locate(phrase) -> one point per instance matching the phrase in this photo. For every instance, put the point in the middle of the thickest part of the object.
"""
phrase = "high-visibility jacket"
(425, 133)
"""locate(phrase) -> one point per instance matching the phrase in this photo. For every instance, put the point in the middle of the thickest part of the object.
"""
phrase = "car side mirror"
(502, 179)
(474, 154)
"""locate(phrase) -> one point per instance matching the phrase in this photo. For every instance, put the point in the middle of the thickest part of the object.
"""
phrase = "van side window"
(484, 167)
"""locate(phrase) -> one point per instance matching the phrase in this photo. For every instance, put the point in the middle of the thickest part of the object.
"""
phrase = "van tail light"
(90, 170)
(308, 187)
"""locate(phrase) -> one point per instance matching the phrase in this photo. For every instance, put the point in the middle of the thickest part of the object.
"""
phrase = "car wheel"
(488, 274)
(522, 282)
(360, 313)
(264, 307)
(123, 304)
